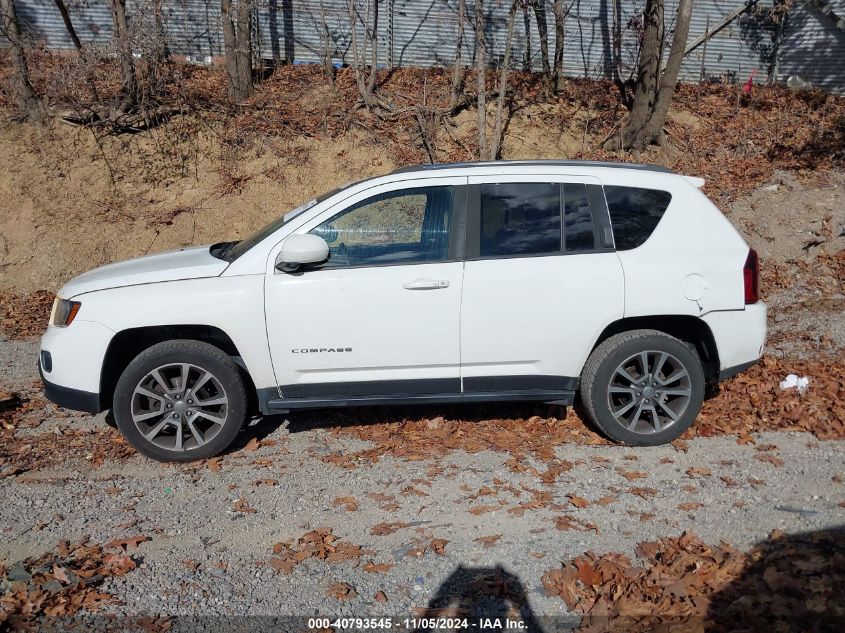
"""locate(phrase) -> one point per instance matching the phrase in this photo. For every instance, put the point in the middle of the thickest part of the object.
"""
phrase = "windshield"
(230, 251)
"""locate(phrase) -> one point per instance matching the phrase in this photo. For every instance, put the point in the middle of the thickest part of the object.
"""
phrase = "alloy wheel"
(649, 391)
(179, 406)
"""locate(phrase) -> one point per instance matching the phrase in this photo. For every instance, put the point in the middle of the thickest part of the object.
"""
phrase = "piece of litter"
(792, 381)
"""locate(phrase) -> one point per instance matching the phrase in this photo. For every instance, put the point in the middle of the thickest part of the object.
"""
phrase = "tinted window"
(577, 218)
(520, 219)
(634, 213)
(405, 226)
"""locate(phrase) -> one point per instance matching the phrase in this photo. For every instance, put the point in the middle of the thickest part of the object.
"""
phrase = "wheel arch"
(689, 329)
(127, 344)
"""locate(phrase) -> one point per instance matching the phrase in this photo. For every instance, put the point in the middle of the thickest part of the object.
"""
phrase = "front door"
(541, 282)
(382, 317)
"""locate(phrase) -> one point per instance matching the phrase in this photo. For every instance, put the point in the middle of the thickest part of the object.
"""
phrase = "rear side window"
(577, 218)
(520, 219)
(634, 213)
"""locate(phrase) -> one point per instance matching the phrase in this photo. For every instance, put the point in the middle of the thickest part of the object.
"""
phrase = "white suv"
(476, 282)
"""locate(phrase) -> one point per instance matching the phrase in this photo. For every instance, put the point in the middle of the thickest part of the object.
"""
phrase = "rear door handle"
(426, 284)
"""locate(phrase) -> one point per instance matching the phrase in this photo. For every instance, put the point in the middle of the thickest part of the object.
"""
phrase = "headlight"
(63, 312)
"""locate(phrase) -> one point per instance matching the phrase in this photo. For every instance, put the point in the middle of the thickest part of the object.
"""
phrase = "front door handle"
(426, 284)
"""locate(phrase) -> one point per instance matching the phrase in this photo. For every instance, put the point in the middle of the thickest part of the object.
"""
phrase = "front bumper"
(71, 362)
(68, 398)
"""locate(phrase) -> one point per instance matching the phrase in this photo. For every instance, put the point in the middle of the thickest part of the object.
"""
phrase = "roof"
(537, 163)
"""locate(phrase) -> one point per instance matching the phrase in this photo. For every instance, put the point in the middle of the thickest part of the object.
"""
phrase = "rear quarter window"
(634, 213)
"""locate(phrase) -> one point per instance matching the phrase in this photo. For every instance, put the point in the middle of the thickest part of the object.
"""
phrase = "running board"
(559, 397)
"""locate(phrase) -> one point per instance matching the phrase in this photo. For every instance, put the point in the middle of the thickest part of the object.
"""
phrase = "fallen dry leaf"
(488, 541)
(772, 459)
(606, 500)
(379, 568)
(383, 529)
(578, 502)
(349, 503)
(242, 505)
(694, 471)
(644, 493)
(341, 591)
(131, 542)
(681, 584)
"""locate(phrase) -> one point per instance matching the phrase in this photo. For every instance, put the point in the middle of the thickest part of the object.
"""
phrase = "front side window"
(519, 219)
(634, 213)
(405, 226)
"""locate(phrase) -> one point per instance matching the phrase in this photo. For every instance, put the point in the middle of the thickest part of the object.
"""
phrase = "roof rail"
(538, 163)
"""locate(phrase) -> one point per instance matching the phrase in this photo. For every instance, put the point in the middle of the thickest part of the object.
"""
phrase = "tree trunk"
(560, 33)
(543, 32)
(127, 63)
(616, 48)
(371, 82)
(502, 88)
(654, 132)
(60, 5)
(28, 102)
(633, 134)
(89, 80)
(458, 68)
(162, 45)
(481, 72)
(237, 40)
(366, 86)
(653, 92)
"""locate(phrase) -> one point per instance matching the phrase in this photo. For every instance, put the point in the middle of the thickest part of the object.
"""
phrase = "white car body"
(466, 329)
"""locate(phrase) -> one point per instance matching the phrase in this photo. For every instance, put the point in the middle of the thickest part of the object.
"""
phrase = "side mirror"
(301, 250)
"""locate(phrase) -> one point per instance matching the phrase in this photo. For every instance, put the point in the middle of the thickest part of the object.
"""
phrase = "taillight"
(751, 277)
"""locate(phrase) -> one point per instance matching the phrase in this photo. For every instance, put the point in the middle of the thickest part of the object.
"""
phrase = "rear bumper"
(730, 372)
(739, 336)
(68, 398)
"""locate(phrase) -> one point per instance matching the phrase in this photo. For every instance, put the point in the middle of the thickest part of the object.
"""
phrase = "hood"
(187, 263)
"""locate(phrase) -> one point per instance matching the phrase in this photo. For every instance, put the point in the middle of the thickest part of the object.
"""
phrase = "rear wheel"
(643, 388)
(180, 401)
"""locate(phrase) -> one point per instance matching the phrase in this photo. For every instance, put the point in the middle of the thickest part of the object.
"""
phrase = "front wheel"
(643, 387)
(180, 401)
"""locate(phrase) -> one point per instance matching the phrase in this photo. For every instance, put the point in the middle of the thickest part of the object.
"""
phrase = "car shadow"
(479, 592)
(795, 582)
(300, 421)
(260, 427)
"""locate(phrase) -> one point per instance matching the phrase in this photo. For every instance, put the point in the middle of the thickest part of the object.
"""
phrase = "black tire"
(601, 368)
(201, 356)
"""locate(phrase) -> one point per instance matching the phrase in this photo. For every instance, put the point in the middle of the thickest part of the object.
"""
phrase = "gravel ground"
(188, 513)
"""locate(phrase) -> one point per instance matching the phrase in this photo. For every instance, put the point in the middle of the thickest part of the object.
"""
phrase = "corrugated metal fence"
(424, 32)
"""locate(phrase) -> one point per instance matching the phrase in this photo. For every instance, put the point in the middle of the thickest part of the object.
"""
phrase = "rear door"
(541, 281)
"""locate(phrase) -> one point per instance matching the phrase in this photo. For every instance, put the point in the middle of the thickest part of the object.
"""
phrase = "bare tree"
(366, 84)
(28, 101)
(77, 44)
(616, 50)
(458, 68)
(237, 41)
(162, 46)
(560, 13)
(502, 88)
(539, 7)
(481, 75)
(653, 90)
(129, 91)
